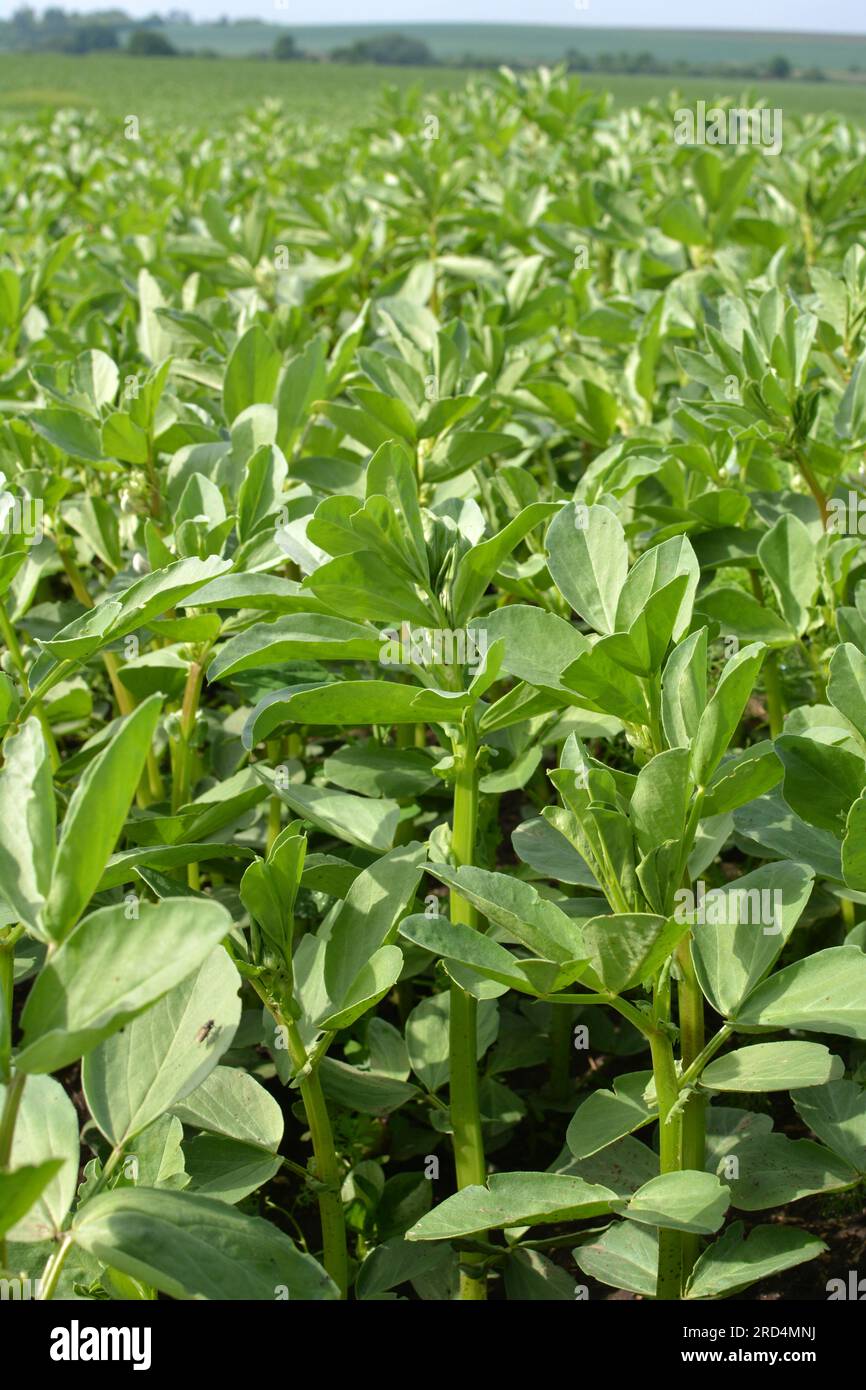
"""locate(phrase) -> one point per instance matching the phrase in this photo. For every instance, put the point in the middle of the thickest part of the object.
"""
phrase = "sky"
(831, 16)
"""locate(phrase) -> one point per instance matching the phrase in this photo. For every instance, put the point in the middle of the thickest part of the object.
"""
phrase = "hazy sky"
(839, 16)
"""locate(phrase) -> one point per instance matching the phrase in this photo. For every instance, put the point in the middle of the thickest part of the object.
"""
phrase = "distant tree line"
(62, 31)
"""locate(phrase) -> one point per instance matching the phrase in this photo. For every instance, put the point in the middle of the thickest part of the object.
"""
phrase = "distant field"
(540, 43)
(201, 92)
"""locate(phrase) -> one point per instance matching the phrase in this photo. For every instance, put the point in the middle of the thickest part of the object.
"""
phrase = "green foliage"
(396, 495)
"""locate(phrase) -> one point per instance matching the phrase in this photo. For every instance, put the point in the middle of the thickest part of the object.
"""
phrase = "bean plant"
(433, 705)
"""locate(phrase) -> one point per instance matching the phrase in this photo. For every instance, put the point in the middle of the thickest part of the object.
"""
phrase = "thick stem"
(463, 1084)
(327, 1165)
(691, 1020)
(669, 1281)
(13, 646)
(775, 699)
(183, 751)
(813, 485)
(54, 1268)
(14, 1091)
(7, 981)
(274, 749)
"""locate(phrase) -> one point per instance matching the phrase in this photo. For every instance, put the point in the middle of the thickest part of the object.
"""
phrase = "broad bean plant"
(433, 705)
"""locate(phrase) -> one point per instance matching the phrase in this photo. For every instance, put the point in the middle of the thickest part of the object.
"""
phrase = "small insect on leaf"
(205, 1031)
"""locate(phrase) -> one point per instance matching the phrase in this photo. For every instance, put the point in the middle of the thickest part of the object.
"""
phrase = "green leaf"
(606, 1116)
(684, 689)
(588, 561)
(376, 976)
(626, 949)
(625, 1257)
(538, 645)
(655, 570)
(108, 970)
(295, 637)
(821, 782)
(787, 553)
(150, 597)
(740, 930)
(124, 440)
(546, 850)
(21, 1189)
(519, 910)
(231, 1102)
(95, 818)
(738, 779)
(251, 373)
(260, 494)
(359, 820)
(368, 916)
(601, 682)
(846, 687)
(225, 1169)
(734, 1262)
(724, 711)
(512, 1199)
(69, 432)
(773, 1170)
(367, 588)
(46, 1131)
(684, 1201)
(396, 1262)
(660, 799)
(737, 612)
(371, 702)
(823, 993)
(428, 1041)
(836, 1112)
(455, 942)
(27, 824)
(854, 846)
(785, 1066)
(479, 565)
(137, 1074)
(196, 1247)
(365, 1092)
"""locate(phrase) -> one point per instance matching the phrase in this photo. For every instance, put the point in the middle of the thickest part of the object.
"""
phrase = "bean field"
(432, 698)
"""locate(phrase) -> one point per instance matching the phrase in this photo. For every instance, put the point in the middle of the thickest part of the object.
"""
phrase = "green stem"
(463, 1085)
(691, 1020)
(669, 1280)
(183, 751)
(325, 1155)
(54, 1267)
(775, 699)
(274, 749)
(7, 981)
(813, 485)
(10, 639)
(14, 1091)
(693, 1072)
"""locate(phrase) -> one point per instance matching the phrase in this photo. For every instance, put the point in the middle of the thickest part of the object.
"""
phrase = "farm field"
(202, 91)
(432, 691)
(535, 43)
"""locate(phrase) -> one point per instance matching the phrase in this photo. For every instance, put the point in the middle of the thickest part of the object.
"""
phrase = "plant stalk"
(327, 1165)
(463, 1083)
(669, 1279)
(690, 1002)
